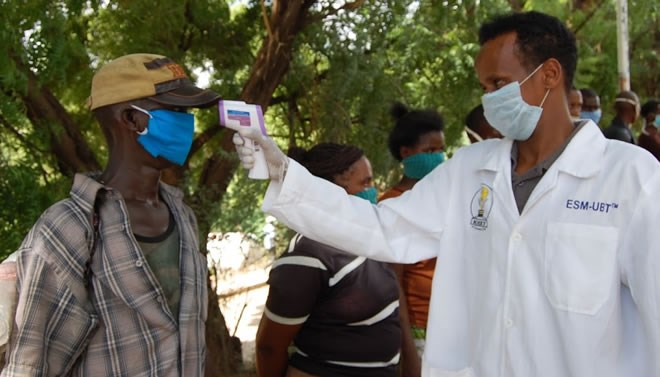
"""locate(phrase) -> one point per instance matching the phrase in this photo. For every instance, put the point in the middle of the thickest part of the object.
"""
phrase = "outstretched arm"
(405, 229)
(401, 230)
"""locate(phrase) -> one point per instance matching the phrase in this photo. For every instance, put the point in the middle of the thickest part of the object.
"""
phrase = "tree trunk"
(67, 144)
(286, 20)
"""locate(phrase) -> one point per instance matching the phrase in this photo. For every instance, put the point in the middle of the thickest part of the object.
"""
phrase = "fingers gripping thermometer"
(238, 114)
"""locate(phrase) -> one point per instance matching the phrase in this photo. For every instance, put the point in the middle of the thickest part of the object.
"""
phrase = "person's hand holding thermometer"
(256, 150)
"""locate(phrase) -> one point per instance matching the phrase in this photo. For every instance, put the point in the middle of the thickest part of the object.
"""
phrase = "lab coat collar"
(583, 154)
(580, 158)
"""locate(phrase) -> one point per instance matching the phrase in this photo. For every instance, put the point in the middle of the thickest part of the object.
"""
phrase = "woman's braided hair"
(327, 160)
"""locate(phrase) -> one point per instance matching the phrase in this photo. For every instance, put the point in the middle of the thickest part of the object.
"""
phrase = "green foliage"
(25, 195)
(345, 71)
(236, 212)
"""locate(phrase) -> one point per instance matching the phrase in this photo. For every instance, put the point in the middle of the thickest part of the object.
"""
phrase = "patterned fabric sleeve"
(51, 326)
(296, 281)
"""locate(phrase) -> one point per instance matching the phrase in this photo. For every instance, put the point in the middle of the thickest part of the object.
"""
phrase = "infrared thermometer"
(237, 114)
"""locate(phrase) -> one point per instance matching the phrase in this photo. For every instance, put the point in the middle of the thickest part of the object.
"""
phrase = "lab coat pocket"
(434, 372)
(580, 265)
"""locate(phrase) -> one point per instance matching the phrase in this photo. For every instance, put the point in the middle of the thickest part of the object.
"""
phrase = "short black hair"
(327, 160)
(539, 37)
(586, 92)
(410, 125)
(650, 106)
(475, 118)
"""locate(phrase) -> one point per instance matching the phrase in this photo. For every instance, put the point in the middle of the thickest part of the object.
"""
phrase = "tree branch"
(517, 5)
(279, 99)
(264, 15)
(333, 11)
(589, 16)
(5, 123)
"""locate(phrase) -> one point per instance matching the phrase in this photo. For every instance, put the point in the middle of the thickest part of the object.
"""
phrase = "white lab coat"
(570, 287)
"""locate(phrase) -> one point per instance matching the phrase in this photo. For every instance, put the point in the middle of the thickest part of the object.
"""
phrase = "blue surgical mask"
(419, 165)
(593, 115)
(169, 134)
(656, 123)
(508, 113)
(369, 194)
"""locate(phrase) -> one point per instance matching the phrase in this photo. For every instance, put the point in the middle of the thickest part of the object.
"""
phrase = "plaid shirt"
(121, 325)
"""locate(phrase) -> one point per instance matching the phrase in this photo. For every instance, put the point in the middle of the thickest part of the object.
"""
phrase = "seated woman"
(418, 141)
(339, 311)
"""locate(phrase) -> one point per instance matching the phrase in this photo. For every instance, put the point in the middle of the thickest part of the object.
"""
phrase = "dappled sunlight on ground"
(242, 269)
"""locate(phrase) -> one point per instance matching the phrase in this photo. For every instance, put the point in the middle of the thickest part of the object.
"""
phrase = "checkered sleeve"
(51, 327)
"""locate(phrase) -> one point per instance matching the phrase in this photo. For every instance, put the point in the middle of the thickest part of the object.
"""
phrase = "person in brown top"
(418, 141)
(650, 137)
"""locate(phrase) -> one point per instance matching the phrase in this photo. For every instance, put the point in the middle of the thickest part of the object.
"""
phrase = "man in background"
(626, 107)
(575, 104)
(590, 105)
(650, 137)
(478, 128)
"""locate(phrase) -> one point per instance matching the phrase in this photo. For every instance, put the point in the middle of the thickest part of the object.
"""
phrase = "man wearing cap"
(111, 279)
(626, 105)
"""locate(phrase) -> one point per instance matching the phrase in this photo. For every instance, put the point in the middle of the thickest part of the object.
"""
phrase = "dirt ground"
(242, 290)
(242, 299)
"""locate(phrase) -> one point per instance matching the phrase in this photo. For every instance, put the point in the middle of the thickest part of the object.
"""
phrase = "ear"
(132, 120)
(405, 152)
(553, 74)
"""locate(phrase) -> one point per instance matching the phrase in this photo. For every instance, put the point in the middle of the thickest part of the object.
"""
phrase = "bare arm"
(272, 343)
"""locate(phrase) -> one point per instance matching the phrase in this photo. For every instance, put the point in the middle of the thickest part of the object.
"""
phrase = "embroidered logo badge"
(480, 207)
(176, 70)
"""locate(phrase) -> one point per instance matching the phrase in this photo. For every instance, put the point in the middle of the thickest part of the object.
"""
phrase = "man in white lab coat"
(546, 262)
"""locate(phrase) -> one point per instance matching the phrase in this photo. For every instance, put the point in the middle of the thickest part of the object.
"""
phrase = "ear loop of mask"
(544, 97)
(532, 74)
(474, 134)
(146, 129)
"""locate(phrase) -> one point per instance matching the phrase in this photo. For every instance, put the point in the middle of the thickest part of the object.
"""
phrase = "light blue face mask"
(419, 165)
(508, 113)
(169, 134)
(656, 123)
(369, 194)
(592, 115)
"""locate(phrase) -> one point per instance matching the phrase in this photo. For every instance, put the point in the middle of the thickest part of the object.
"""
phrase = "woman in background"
(418, 142)
(339, 311)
